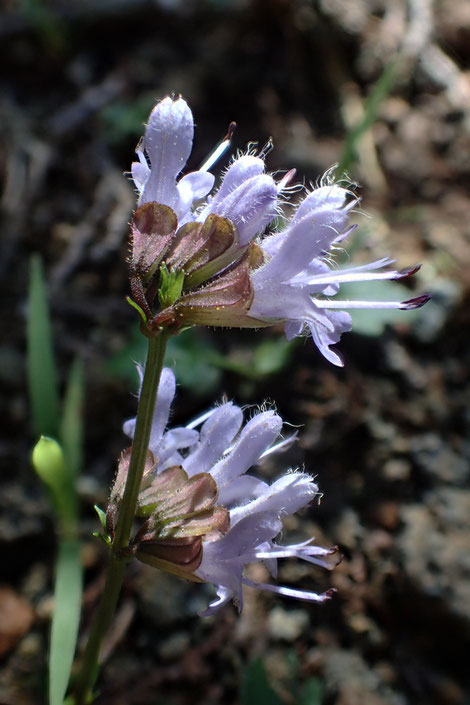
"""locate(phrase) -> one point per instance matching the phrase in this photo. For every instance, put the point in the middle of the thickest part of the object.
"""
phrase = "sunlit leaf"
(65, 620)
(42, 374)
(372, 104)
(71, 428)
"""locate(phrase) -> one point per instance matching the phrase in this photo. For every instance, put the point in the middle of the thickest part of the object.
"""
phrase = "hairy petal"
(285, 496)
(250, 207)
(168, 141)
(258, 434)
(241, 169)
(216, 435)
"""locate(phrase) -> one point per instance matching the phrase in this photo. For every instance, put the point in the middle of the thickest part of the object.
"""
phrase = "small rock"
(387, 515)
(435, 546)
(287, 625)
(16, 618)
(349, 532)
(396, 469)
(352, 681)
(174, 647)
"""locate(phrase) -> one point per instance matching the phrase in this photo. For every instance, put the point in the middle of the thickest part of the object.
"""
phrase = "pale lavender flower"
(295, 283)
(165, 445)
(225, 449)
(235, 274)
(167, 145)
(247, 196)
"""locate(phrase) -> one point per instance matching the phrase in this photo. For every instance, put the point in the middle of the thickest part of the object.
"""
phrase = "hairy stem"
(107, 607)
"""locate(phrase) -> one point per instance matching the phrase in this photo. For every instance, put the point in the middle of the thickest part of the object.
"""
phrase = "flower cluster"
(208, 257)
(212, 263)
(205, 518)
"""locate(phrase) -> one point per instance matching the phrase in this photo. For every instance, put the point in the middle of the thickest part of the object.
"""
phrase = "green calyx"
(170, 286)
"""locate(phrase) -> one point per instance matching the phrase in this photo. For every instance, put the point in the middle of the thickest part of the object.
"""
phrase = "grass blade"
(66, 617)
(42, 374)
(71, 428)
(372, 104)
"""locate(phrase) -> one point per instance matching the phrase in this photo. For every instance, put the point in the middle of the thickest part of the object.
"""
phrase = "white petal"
(140, 171)
(166, 392)
(168, 140)
(242, 489)
(258, 434)
(286, 496)
(216, 435)
(243, 168)
(192, 187)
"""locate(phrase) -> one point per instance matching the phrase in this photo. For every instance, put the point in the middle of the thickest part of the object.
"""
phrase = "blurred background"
(381, 87)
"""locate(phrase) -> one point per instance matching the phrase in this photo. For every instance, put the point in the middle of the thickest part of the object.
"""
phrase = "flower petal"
(286, 496)
(216, 435)
(168, 140)
(192, 187)
(250, 207)
(165, 395)
(241, 169)
(258, 434)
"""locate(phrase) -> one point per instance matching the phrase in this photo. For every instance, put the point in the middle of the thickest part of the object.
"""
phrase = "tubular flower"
(294, 284)
(205, 517)
(197, 259)
(213, 264)
(167, 145)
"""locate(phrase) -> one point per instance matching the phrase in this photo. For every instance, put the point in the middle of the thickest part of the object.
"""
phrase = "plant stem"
(148, 395)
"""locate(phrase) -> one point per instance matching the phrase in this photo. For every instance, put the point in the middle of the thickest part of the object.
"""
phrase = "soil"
(387, 435)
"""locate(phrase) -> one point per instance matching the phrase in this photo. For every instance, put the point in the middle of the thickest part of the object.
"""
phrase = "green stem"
(148, 395)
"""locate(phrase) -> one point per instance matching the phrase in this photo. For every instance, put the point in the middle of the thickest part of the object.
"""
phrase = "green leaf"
(101, 516)
(311, 692)
(373, 102)
(141, 313)
(65, 620)
(42, 374)
(255, 687)
(271, 356)
(126, 118)
(71, 428)
(194, 357)
(46, 22)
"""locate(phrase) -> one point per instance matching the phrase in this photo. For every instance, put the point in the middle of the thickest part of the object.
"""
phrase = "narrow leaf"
(42, 375)
(379, 92)
(71, 429)
(65, 620)
(311, 692)
(256, 688)
(101, 516)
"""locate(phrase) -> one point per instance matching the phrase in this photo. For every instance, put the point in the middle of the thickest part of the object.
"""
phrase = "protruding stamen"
(230, 130)
(280, 446)
(408, 271)
(200, 419)
(268, 147)
(219, 150)
(286, 179)
(291, 592)
(402, 305)
(417, 302)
